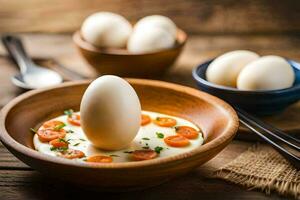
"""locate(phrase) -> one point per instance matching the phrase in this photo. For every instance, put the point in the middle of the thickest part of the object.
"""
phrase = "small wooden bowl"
(216, 118)
(123, 63)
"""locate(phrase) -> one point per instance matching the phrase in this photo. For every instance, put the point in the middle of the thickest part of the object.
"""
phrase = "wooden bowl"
(123, 63)
(216, 118)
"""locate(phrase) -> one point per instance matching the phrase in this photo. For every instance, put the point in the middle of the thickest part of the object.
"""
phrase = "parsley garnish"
(69, 112)
(70, 131)
(76, 144)
(160, 135)
(63, 140)
(128, 152)
(114, 155)
(33, 130)
(82, 139)
(145, 147)
(58, 127)
(158, 149)
(145, 138)
(59, 149)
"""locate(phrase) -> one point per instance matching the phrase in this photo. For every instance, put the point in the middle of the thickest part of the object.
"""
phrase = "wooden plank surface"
(18, 181)
(205, 16)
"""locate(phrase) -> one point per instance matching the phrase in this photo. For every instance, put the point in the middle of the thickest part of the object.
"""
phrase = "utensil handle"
(294, 160)
(16, 50)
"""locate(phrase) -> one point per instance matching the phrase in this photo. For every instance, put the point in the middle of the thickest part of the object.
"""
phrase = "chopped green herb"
(69, 112)
(158, 149)
(59, 149)
(77, 144)
(114, 155)
(63, 140)
(145, 147)
(160, 135)
(58, 127)
(33, 130)
(147, 144)
(145, 138)
(70, 131)
(82, 139)
(128, 152)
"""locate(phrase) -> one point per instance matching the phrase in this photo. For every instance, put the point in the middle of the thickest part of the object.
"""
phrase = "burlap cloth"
(262, 168)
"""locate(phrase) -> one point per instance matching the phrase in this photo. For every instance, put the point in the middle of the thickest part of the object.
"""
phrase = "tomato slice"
(145, 119)
(71, 154)
(146, 154)
(99, 159)
(187, 132)
(176, 141)
(165, 121)
(52, 124)
(46, 135)
(74, 119)
(59, 142)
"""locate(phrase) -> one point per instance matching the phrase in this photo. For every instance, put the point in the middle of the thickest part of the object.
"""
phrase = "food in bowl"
(159, 136)
(245, 70)
(106, 29)
(110, 113)
(105, 131)
(152, 33)
(266, 73)
(225, 69)
(110, 30)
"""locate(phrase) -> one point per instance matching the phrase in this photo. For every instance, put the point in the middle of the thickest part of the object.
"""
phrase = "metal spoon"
(32, 76)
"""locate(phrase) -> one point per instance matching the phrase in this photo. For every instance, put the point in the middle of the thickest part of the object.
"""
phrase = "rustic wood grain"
(205, 16)
(28, 184)
(17, 183)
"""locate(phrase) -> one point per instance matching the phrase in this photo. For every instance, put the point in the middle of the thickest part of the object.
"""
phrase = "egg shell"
(110, 113)
(106, 29)
(225, 69)
(158, 21)
(150, 40)
(267, 73)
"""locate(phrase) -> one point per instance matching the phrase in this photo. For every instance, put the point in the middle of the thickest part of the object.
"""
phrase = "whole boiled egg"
(110, 113)
(225, 69)
(149, 40)
(266, 73)
(158, 21)
(106, 29)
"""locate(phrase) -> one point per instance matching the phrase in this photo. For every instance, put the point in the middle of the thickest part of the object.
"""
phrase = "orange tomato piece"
(46, 135)
(52, 124)
(145, 119)
(176, 141)
(71, 154)
(74, 119)
(165, 121)
(59, 142)
(187, 132)
(146, 154)
(99, 159)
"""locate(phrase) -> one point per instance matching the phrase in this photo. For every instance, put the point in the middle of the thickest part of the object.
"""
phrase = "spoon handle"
(16, 50)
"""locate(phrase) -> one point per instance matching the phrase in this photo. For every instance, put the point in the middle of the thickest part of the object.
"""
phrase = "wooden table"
(18, 181)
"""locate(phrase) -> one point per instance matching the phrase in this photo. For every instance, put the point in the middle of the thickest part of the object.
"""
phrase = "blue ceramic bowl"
(265, 102)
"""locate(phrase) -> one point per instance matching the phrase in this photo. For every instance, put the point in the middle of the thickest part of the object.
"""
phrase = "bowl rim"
(203, 81)
(181, 39)
(225, 137)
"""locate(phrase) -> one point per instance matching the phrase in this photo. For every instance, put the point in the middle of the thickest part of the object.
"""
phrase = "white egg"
(266, 73)
(110, 113)
(106, 29)
(225, 69)
(158, 21)
(150, 40)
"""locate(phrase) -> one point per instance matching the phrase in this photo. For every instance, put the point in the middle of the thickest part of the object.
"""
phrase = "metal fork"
(273, 136)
